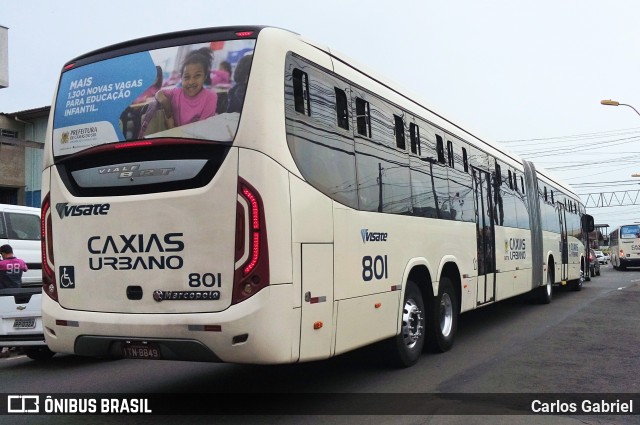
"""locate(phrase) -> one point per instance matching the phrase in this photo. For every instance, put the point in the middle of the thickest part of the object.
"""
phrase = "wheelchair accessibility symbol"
(67, 277)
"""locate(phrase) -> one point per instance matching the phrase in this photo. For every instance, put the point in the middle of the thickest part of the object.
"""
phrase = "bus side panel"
(311, 212)
(316, 334)
(551, 249)
(367, 319)
(312, 234)
(513, 260)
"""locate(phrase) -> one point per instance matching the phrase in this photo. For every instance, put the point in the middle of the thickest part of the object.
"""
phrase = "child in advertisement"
(191, 101)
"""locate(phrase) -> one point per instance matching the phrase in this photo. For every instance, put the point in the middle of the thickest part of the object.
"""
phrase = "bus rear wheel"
(442, 318)
(408, 344)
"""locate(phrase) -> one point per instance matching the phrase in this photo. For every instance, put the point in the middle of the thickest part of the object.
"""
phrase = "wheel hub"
(412, 323)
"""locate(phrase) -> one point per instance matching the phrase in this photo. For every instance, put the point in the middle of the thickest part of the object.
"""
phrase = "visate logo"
(66, 210)
(368, 236)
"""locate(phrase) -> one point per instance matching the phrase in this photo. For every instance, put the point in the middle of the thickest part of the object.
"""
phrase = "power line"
(583, 135)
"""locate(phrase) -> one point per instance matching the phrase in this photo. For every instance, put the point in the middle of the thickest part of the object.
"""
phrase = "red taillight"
(244, 33)
(128, 145)
(252, 259)
(46, 242)
(254, 234)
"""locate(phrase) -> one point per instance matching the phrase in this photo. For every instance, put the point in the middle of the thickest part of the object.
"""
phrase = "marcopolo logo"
(368, 236)
(66, 210)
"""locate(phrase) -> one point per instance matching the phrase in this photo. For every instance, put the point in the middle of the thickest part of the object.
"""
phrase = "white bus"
(624, 243)
(319, 210)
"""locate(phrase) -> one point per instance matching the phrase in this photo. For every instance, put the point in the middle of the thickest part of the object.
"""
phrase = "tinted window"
(115, 99)
(422, 190)
(301, 92)
(363, 120)
(414, 132)
(383, 179)
(342, 109)
(23, 226)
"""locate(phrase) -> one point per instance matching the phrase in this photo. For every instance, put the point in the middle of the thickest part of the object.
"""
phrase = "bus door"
(564, 245)
(485, 233)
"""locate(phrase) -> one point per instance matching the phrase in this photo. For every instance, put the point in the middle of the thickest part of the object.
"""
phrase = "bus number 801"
(374, 268)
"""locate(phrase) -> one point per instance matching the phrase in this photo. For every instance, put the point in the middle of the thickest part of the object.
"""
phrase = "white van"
(20, 308)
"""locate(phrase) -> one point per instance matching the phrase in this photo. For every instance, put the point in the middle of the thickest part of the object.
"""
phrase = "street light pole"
(616, 103)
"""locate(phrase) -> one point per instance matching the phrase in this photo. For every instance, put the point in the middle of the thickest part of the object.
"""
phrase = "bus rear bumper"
(629, 262)
(261, 330)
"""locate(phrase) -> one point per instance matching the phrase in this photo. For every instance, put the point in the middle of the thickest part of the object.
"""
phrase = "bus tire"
(408, 344)
(442, 318)
(544, 293)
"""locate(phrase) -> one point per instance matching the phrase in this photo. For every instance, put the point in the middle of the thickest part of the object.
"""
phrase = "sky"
(529, 75)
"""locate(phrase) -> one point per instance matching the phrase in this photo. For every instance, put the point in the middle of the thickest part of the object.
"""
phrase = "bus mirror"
(587, 223)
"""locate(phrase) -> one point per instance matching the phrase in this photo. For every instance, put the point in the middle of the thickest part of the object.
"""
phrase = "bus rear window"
(193, 91)
(629, 232)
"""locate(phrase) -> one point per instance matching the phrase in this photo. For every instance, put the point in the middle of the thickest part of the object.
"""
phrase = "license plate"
(24, 323)
(148, 351)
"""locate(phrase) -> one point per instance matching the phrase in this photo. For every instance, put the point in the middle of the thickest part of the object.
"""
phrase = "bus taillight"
(46, 242)
(252, 255)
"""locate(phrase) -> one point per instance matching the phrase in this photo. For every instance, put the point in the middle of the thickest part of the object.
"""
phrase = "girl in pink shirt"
(191, 102)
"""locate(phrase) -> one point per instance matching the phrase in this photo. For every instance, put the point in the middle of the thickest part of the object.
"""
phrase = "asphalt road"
(581, 346)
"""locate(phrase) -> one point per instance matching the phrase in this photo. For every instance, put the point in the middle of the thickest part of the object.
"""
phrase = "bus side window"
(399, 130)
(301, 92)
(465, 161)
(440, 149)
(450, 158)
(363, 117)
(414, 133)
(342, 109)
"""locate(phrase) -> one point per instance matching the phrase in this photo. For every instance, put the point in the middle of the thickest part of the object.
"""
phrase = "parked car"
(20, 308)
(602, 259)
(594, 264)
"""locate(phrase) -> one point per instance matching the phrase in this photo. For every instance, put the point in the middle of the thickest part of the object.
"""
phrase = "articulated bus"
(624, 242)
(304, 209)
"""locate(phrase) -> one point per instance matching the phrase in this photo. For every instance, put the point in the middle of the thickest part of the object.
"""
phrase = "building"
(22, 136)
